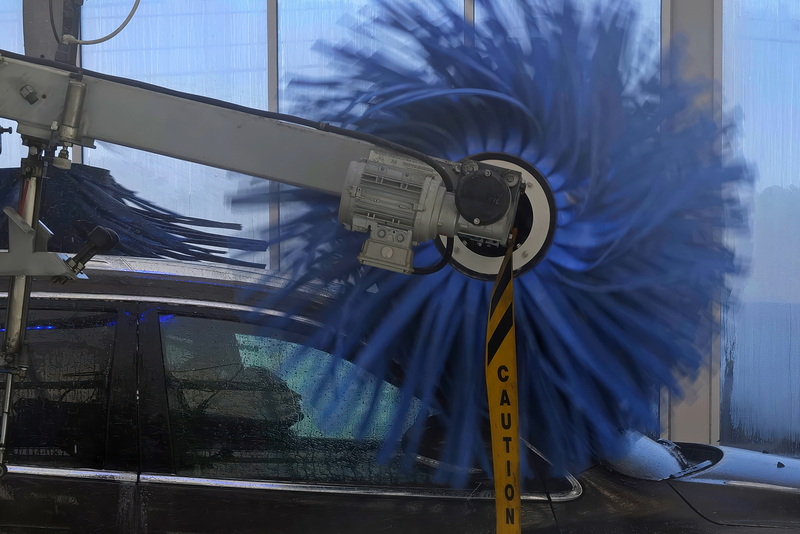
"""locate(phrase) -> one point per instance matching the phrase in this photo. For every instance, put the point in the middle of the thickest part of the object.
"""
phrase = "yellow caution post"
(501, 385)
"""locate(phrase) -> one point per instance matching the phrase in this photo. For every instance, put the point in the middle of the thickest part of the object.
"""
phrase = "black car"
(161, 397)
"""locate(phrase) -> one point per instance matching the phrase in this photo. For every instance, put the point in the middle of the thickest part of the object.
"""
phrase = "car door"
(234, 442)
(72, 455)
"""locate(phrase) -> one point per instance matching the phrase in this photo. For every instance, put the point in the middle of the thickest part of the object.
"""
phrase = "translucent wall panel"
(761, 338)
(214, 48)
(648, 11)
(646, 28)
(302, 24)
(11, 40)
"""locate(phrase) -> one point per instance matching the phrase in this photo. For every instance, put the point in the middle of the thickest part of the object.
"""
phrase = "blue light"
(54, 327)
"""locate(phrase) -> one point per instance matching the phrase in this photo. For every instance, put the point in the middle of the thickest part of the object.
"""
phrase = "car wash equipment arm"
(27, 257)
(396, 195)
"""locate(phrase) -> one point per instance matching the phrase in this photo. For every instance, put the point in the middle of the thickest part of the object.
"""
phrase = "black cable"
(53, 22)
(444, 260)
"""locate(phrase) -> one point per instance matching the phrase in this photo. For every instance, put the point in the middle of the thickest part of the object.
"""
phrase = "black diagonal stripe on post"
(499, 334)
(500, 286)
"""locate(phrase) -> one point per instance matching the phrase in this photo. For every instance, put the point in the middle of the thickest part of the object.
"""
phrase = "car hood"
(745, 488)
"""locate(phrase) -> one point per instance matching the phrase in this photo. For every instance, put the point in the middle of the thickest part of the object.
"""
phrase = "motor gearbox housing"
(401, 202)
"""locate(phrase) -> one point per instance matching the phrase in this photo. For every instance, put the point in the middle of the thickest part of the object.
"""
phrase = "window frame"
(56, 497)
(696, 25)
(159, 470)
(120, 462)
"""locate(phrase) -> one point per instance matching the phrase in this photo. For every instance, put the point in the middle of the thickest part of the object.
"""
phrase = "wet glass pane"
(59, 411)
(240, 407)
(249, 402)
(760, 390)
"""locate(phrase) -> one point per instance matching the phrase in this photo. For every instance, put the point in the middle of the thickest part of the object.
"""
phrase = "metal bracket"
(388, 248)
(27, 251)
(2, 131)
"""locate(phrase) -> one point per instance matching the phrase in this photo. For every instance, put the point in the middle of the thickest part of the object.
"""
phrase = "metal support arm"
(146, 117)
(399, 200)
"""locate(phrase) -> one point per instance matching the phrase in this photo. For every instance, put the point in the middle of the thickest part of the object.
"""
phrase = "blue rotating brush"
(615, 298)
(83, 197)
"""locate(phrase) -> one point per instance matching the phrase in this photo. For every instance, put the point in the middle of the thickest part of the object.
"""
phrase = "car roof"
(168, 268)
(112, 277)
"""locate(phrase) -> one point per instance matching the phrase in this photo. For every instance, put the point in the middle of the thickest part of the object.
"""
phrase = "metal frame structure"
(697, 26)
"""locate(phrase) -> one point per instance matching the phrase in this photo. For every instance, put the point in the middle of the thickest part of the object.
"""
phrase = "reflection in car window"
(247, 402)
(240, 407)
(59, 410)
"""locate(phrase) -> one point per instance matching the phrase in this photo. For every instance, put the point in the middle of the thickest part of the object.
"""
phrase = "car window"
(59, 409)
(239, 406)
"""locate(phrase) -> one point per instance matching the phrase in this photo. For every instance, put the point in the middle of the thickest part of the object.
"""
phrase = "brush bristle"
(623, 304)
(76, 200)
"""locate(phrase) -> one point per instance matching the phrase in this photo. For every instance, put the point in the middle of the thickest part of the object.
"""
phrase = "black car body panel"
(156, 403)
(215, 506)
(617, 504)
(746, 488)
(34, 499)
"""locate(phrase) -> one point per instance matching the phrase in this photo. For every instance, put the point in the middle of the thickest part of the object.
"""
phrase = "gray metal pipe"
(19, 291)
(6, 412)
